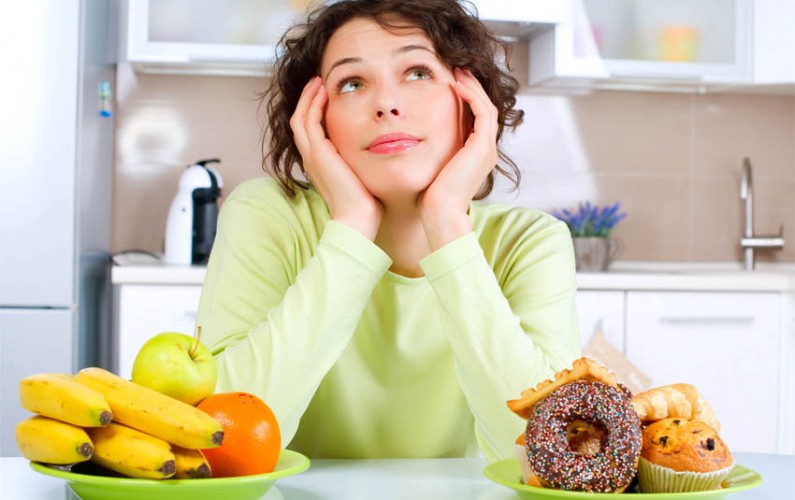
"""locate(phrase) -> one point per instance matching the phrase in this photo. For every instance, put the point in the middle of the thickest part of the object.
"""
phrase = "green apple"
(177, 365)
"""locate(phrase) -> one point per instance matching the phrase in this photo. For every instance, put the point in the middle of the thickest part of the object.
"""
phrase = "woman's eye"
(419, 74)
(349, 85)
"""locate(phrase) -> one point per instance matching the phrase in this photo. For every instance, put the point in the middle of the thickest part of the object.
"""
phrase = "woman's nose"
(383, 112)
(387, 103)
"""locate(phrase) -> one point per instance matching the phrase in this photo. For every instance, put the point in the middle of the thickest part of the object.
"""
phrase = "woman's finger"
(310, 89)
(299, 117)
(484, 111)
(485, 117)
(471, 81)
(314, 115)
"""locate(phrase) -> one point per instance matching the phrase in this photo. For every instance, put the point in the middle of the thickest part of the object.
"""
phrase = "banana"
(60, 396)
(43, 439)
(154, 413)
(191, 464)
(131, 452)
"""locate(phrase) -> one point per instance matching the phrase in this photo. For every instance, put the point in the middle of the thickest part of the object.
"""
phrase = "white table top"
(437, 479)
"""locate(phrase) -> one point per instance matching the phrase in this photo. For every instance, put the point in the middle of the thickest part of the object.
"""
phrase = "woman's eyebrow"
(400, 50)
(340, 62)
(409, 48)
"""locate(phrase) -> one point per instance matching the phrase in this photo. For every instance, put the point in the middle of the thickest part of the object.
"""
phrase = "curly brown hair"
(459, 38)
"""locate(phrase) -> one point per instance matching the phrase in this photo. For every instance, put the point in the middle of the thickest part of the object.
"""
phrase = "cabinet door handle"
(706, 320)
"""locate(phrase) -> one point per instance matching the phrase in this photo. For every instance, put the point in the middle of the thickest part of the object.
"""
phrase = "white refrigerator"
(56, 154)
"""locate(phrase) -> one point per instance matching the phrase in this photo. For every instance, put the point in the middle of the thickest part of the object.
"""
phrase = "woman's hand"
(347, 198)
(445, 203)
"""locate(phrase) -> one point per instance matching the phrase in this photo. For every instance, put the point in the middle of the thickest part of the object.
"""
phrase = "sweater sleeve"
(278, 310)
(507, 332)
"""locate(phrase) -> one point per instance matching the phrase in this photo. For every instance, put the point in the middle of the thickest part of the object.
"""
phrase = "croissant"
(674, 401)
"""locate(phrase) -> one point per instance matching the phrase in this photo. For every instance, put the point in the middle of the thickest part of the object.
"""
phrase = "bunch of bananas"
(123, 426)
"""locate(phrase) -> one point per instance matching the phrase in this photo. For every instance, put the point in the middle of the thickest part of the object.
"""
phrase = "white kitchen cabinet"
(143, 311)
(726, 344)
(230, 37)
(239, 37)
(519, 18)
(522, 11)
(676, 45)
(601, 309)
(30, 342)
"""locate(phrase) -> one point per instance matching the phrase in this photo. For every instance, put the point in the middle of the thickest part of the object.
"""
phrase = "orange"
(252, 439)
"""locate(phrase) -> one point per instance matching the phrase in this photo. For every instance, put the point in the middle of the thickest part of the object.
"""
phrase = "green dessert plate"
(507, 473)
(92, 487)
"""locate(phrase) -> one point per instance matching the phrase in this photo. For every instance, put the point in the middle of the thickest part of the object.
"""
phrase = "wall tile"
(717, 219)
(728, 128)
(658, 224)
(673, 160)
(635, 132)
(659, 209)
(774, 205)
(549, 137)
(165, 123)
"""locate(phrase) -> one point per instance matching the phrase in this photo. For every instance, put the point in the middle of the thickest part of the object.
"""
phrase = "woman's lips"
(392, 143)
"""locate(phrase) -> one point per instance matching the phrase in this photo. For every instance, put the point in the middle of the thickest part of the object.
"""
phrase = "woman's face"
(392, 112)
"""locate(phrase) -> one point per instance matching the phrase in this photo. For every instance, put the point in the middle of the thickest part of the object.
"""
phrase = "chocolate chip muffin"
(682, 455)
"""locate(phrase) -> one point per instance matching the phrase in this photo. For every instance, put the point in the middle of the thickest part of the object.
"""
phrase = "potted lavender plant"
(590, 228)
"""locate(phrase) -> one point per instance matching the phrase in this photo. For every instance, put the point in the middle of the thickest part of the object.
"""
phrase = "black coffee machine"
(193, 216)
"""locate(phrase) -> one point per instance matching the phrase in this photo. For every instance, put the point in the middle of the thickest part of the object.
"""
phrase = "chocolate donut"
(584, 436)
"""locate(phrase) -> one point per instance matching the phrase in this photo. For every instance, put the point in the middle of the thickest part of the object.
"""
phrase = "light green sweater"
(359, 362)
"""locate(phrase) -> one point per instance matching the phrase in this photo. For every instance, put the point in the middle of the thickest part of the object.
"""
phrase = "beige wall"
(673, 160)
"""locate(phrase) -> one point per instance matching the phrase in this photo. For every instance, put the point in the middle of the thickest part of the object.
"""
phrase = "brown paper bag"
(603, 351)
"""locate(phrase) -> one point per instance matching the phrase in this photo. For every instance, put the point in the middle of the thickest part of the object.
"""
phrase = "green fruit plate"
(92, 487)
(507, 473)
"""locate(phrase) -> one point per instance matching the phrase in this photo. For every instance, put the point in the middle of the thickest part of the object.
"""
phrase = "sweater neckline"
(405, 280)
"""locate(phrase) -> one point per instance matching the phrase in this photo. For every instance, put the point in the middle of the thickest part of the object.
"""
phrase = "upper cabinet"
(680, 45)
(238, 37)
(229, 37)
(519, 18)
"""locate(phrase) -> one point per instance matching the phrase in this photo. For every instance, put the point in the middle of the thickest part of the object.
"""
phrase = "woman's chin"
(402, 192)
(401, 183)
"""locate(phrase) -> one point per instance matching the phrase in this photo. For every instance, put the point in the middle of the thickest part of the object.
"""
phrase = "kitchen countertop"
(418, 479)
(623, 275)
(690, 276)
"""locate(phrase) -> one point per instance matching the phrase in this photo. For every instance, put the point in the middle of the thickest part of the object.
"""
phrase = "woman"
(377, 309)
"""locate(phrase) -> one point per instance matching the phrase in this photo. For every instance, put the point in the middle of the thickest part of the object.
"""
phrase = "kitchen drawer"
(726, 344)
(143, 311)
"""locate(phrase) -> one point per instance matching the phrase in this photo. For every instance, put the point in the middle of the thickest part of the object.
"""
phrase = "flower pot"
(595, 253)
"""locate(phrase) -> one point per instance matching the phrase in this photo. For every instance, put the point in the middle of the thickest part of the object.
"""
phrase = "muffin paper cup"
(524, 464)
(653, 478)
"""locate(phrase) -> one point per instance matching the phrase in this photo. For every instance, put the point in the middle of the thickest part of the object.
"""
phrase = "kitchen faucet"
(749, 242)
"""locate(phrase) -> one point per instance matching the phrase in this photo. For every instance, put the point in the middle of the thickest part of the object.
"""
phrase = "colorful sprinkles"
(550, 453)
